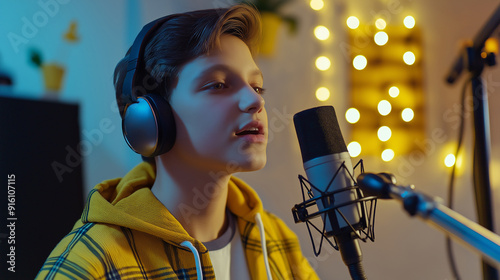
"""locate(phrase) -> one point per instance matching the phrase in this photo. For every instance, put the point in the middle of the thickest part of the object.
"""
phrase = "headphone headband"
(136, 54)
(148, 123)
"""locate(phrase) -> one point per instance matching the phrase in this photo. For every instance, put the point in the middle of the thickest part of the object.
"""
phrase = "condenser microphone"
(329, 170)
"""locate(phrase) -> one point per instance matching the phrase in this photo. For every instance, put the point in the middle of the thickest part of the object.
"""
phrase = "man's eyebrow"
(224, 68)
(257, 72)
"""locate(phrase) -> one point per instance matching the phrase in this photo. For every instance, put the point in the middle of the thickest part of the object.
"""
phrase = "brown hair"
(182, 38)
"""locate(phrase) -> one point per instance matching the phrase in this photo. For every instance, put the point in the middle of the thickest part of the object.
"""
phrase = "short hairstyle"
(184, 37)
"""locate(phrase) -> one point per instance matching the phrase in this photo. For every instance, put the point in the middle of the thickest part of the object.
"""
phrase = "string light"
(384, 133)
(409, 22)
(359, 62)
(449, 160)
(381, 38)
(409, 58)
(317, 4)
(387, 155)
(352, 22)
(321, 32)
(384, 107)
(354, 149)
(394, 92)
(380, 24)
(352, 115)
(323, 63)
(407, 115)
(322, 94)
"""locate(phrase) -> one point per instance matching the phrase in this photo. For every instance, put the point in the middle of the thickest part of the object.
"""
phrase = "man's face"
(219, 110)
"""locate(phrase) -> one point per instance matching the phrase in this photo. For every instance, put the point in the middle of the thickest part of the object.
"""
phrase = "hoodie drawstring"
(190, 246)
(260, 225)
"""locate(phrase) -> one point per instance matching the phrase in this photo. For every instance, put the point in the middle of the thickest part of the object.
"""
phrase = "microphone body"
(329, 169)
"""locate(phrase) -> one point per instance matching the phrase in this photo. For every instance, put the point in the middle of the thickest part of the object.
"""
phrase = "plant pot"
(53, 75)
(270, 27)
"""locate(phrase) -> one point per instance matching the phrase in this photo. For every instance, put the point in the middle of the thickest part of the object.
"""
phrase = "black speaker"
(41, 178)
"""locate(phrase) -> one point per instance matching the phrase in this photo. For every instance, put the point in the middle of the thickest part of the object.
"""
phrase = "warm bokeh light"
(449, 160)
(407, 114)
(321, 32)
(409, 22)
(352, 115)
(384, 107)
(381, 38)
(359, 62)
(380, 24)
(387, 155)
(352, 22)
(409, 58)
(322, 94)
(323, 63)
(491, 45)
(384, 133)
(317, 4)
(354, 149)
(495, 176)
(394, 92)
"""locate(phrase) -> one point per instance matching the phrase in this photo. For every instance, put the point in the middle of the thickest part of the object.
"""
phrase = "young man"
(185, 216)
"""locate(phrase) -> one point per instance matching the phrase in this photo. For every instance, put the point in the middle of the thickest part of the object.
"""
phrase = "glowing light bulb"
(394, 92)
(323, 63)
(359, 62)
(352, 22)
(321, 32)
(491, 45)
(409, 58)
(409, 22)
(381, 38)
(317, 4)
(407, 115)
(387, 155)
(354, 149)
(384, 133)
(384, 107)
(322, 94)
(352, 115)
(449, 160)
(380, 24)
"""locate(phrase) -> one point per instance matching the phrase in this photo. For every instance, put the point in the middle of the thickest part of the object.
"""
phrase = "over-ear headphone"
(148, 123)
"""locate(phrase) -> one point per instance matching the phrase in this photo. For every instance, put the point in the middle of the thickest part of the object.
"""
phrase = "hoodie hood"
(129, 202)
(97, 250)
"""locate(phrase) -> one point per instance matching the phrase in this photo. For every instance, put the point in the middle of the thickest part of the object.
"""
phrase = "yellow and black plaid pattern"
(126, 233)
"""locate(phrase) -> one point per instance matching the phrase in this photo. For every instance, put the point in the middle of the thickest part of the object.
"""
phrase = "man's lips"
(252, 128)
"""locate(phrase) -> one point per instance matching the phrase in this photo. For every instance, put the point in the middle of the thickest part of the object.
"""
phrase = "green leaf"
(36, 57)
(292, 23)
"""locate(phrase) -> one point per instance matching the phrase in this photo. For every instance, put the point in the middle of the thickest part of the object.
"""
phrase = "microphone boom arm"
(480, 239)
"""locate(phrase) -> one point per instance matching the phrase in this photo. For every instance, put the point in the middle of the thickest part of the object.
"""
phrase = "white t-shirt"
(227, 254)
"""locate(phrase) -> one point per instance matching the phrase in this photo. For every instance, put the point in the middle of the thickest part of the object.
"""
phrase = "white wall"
(404, 248)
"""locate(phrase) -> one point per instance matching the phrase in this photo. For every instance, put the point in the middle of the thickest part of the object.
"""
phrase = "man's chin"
(254, 164)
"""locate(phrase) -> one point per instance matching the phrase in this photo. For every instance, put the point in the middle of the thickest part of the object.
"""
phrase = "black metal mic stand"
(473, 58)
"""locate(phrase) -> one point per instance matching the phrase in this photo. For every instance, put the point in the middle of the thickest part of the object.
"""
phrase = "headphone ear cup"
(149, 126)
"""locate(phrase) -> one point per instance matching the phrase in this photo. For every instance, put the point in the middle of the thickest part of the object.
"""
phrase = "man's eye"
(217, 86)
(259, 90)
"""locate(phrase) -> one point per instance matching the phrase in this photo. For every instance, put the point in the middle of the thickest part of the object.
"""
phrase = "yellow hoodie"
(126, 233)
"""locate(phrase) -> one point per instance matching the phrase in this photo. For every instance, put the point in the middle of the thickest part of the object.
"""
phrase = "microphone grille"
(318, 132)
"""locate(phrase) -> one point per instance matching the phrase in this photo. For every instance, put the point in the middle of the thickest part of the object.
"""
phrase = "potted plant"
(53, 72)
(272, 17)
